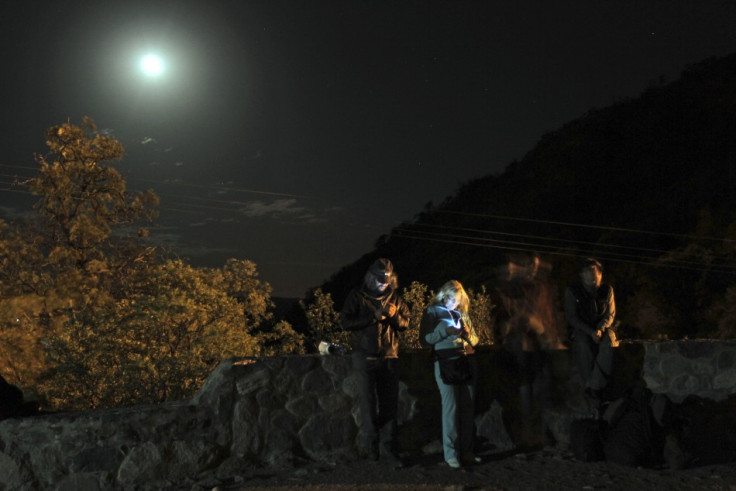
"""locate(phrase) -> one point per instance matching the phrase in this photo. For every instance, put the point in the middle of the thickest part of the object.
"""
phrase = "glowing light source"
(152, 65)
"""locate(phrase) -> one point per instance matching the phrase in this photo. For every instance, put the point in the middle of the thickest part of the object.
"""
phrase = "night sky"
(295, 133)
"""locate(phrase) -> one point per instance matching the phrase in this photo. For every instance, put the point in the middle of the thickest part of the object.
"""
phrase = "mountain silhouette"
(645, 185)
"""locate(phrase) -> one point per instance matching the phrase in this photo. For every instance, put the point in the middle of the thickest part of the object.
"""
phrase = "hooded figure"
(374, 313)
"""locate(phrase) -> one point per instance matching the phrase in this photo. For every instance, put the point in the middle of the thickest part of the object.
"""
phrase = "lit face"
(451, 302)
(379, 285)
(591, 276)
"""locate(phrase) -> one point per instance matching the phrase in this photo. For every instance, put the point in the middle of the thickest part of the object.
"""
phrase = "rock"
(490, 426)
(286, 410)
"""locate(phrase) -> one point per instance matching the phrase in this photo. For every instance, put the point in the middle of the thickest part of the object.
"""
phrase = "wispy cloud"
(279, 207)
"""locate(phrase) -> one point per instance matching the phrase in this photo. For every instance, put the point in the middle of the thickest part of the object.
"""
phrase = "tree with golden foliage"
(92, 314)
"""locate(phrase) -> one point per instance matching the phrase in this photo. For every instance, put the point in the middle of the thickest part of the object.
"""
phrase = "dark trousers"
(378, 394)
(594, 360)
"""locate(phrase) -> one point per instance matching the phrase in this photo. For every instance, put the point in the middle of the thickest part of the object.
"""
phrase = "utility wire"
(556, 241)
(537, 246)
(562, 252)
(580, 225)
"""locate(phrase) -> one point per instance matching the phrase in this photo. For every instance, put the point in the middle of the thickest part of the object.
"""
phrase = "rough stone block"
(256, 378)
(280, 446)
(284, 420)
(15, 474)
(491, 427)
(318, 381)
(696, 349)
(303, 406)
(87, 481)
(350, 386)
(674, 364)
(725, 382)
(97, 459)
(246, 435)
(297, 366)
(726, 360)
(337, 366)
(335, 402)
(188, 458)
(326, 436)
(141, 465)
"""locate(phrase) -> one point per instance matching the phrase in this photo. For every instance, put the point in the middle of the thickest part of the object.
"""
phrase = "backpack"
(633, 437)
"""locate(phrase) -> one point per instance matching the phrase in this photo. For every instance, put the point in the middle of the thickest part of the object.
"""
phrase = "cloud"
(172, 237)
(277, 207)
(311, 218)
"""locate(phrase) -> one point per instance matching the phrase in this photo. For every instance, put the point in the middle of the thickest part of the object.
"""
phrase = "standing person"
(590, 310)
(528, 321)
(374, 314)
(446, 327)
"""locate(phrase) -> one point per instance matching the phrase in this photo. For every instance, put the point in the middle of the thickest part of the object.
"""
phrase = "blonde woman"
(446, 327)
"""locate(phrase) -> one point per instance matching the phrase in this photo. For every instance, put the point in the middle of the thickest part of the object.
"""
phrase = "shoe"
(454, 463)
(470, 459)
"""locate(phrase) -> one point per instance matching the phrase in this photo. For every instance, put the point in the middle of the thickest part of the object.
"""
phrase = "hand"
(390, 310)
(465, 331)
(378, 314)
(597, 335)
(451, 331)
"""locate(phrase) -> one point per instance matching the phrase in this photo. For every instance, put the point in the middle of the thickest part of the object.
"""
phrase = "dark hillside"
(646, 185)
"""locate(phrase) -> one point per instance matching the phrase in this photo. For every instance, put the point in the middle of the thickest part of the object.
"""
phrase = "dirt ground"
(543, 469)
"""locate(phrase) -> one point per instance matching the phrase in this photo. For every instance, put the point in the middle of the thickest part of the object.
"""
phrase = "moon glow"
(152, 65)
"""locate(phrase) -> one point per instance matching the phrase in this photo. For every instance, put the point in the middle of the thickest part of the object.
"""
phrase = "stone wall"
(681, 368)
(290, 409)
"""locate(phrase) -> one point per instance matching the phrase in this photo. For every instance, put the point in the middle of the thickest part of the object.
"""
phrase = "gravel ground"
(543, 469)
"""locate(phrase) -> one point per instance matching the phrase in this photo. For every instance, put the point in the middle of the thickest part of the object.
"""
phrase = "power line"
(19, 167)
(556, 242)
(562, 252)
(581, 225)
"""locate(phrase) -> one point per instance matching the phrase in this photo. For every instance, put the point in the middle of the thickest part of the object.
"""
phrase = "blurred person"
(374, 313)
(446, 327)
(590, 310)
(529, 325)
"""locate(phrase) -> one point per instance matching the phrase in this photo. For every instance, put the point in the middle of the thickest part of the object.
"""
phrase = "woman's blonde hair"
(453, 287)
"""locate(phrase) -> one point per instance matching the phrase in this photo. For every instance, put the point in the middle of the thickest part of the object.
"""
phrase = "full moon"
(152, 65)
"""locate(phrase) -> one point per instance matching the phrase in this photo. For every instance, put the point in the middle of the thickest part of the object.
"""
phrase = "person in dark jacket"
(590, 310)
(374, 314)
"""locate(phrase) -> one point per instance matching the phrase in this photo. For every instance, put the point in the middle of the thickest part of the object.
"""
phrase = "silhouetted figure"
(374, 313)
(12, 404)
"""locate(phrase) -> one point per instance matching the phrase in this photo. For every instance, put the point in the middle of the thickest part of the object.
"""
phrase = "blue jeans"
(458, 413)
